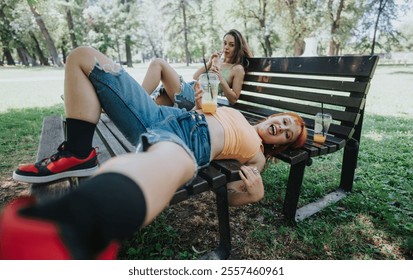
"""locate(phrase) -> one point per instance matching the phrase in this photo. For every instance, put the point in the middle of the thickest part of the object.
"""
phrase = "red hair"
(272, 150)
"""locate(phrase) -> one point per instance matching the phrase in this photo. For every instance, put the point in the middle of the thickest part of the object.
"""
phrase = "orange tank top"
(241, 140)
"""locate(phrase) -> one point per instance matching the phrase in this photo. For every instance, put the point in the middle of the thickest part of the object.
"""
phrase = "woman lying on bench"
(129, 191)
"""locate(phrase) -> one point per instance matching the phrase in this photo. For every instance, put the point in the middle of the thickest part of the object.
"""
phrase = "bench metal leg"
(348, 168)
(295, 180)
(224, 247)
(74, 182)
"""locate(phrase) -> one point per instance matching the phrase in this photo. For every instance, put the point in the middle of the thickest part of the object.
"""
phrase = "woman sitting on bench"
(129, 191)
(230, 71)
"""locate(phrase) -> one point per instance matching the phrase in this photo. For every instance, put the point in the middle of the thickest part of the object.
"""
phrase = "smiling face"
(278, 130)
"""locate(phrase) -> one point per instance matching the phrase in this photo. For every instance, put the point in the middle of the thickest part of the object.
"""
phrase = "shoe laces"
(60, 152)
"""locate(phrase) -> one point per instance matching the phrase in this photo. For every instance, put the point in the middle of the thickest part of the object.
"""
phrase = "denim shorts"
(185, 99)
(143, 122)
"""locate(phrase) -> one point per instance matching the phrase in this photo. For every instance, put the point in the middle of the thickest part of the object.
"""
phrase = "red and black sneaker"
(63, 164)
(27, 238)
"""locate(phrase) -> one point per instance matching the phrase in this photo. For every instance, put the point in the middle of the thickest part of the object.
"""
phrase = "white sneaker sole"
(46, 179)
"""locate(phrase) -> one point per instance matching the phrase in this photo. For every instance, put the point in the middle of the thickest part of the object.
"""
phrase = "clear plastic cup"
(321, 126)
(209, 83)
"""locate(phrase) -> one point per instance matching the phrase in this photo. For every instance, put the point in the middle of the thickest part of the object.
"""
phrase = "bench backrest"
(305, 84)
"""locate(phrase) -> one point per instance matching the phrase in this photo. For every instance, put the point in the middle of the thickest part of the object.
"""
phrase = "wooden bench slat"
(198, 186)
(103, 153)
(340, 66)
(322, 149)
(293, 156)
(110, 141)
(229, 167)
(311, 150)
(301, 96)
(118, 135)
(338, 142)
(212, 175)
(303, 108)
(298, 81)
(51, 137)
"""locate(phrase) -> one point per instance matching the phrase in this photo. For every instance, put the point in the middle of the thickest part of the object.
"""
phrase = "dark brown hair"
(242, 50)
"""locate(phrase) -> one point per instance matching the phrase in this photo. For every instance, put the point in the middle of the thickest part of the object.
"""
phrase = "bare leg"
(81, 101)
(175, 165)
(160, 71)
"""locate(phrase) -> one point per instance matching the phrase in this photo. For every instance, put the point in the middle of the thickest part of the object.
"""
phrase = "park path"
(42, 87)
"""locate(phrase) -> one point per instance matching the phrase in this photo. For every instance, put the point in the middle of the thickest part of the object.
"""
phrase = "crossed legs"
(160, 71)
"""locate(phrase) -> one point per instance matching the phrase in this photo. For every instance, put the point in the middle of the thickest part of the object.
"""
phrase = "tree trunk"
(9, 57)
(128, 41)
(382, 5)
(187, 55)
(128, 51)
(268, 45)
(297, 35)
(153, 46)
(298, 47)
(46, 34)
(22, 57)
(42, 58)
(6, 36)
(25, 57)
(267, 41)
(335, 25)
(71, 27)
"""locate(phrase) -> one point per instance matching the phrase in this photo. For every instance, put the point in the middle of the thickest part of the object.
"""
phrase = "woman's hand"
(254, 186)
(198, 95)
(216, 63)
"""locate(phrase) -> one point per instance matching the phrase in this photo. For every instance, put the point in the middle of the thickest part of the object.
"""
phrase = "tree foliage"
(43, 31)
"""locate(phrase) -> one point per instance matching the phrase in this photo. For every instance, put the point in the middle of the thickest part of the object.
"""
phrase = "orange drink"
(209, 83)
(209, 107)
(319, 138)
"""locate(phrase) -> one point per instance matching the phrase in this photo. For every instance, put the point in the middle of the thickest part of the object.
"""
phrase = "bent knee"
(157, 62)
(79, 53)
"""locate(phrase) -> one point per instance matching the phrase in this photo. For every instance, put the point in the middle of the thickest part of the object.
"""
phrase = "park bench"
(271, 85)
(305, 85)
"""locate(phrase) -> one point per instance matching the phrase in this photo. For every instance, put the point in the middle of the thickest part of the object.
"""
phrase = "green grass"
(374, 222)
(19, 138)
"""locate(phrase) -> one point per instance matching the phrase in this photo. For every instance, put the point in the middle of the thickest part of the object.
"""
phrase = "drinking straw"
(322, 117)
(209, 84)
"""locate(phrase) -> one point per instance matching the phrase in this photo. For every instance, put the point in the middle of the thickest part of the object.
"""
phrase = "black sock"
(107, 207)
(79, 136)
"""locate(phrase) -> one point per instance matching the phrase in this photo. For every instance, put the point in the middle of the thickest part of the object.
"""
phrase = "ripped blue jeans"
(183, 99)
(143, 122)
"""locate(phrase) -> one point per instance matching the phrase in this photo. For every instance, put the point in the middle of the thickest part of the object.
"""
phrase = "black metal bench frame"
(298, 84)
